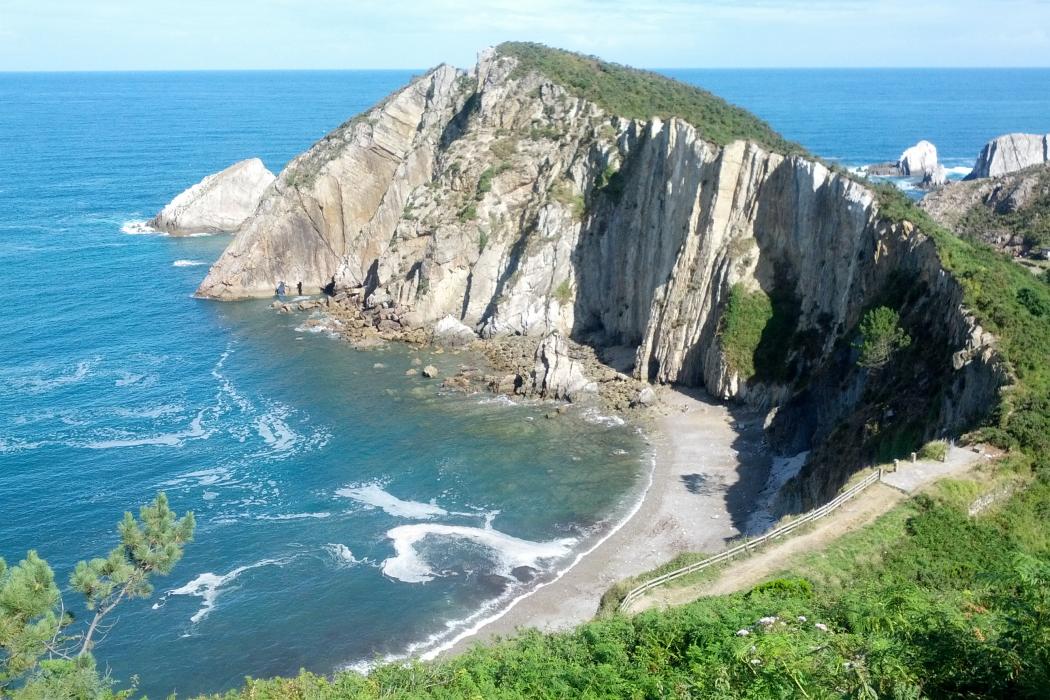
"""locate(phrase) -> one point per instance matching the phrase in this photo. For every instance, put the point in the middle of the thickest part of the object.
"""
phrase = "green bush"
(745, 317)
(936, 450)
(637, 94)
(880, 336)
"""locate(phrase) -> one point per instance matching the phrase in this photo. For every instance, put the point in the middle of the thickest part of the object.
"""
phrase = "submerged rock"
(1010, 153)
(219, 203)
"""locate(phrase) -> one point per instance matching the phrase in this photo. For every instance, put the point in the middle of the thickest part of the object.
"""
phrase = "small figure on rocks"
(299, 286)
(280, 288)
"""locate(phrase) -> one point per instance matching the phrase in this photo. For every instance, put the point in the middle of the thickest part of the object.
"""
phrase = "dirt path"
(877, 499)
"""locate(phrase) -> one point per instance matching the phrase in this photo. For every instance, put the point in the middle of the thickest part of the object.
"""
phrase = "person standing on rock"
(280, 288)
(299, 286)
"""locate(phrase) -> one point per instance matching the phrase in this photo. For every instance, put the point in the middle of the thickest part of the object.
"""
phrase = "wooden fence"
(748, 546)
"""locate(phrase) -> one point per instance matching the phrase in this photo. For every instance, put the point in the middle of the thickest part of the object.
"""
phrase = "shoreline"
(707, 465)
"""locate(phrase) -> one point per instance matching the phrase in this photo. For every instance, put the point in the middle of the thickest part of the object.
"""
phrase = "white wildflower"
(821, 626)
(743, 633)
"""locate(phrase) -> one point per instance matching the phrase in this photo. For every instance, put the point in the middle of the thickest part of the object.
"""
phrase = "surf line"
(443, 646)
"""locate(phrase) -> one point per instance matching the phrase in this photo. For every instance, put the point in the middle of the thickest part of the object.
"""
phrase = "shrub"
(563, 292)
(936, 450)
(880, 336)
(745, 316)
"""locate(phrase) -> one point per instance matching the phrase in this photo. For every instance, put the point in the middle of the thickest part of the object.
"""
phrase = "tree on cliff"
(39, 656)
(880, 336)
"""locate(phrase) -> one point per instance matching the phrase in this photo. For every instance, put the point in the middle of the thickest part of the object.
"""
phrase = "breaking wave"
(208, 587)
(140, 227)
(511, 552)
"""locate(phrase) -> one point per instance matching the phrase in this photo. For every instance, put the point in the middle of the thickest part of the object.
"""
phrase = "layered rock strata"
(1010, 153)
(219, 203)
(503, 200)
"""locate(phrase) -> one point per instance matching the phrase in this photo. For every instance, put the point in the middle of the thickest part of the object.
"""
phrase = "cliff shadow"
(719, 461)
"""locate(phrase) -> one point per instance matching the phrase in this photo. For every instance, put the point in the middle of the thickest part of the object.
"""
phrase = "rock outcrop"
(219, 203)
(1010, 153)
(557, 374)
(1003, 211)
(506, 201)
(919, 160)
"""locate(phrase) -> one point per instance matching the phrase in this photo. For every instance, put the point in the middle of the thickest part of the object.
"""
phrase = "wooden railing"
(749, 545)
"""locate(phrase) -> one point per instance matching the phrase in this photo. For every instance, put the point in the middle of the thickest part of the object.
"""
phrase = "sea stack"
(1010, 153)
(219, 203)
(918, 161)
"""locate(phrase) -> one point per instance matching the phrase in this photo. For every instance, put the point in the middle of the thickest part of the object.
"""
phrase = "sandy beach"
(709, 467)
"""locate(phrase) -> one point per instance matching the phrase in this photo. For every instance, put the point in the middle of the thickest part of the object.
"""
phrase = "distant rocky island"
(622, 230)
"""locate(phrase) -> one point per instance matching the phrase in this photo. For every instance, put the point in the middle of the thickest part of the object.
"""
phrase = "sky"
(369, 34)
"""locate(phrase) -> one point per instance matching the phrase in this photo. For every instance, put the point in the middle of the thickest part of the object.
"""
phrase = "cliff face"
(501, 199)
(1010, 153)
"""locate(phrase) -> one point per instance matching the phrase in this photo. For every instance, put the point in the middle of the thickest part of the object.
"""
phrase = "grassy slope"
(637, 94)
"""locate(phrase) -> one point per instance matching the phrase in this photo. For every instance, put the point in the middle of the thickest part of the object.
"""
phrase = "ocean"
(346, 511)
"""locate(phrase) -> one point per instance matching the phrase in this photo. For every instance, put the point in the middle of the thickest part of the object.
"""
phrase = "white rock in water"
(219, 203)
(938, 177)
(1010, 153)
(918, 160)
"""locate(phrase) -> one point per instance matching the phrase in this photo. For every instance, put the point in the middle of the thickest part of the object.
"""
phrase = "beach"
(709, 465)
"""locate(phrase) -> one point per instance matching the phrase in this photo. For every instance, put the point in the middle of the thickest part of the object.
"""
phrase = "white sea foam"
(127, 379)
(37, 385)
(594, 417)
(960, 170)
(275, 432)
(458, 630)
(295, 516)
(149, 412)
(408, 566)
(139, 227)
(320, 324)
(498, 400)
(209, 587)
(373, 495)
(195, 431)
(188, 263)
(341, 555)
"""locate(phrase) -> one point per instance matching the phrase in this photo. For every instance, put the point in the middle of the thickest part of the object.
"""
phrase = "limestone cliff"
(506, 200)
(219, 203)
(1010, 153)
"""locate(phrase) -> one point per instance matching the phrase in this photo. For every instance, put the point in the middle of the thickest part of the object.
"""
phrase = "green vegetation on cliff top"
(638, 94)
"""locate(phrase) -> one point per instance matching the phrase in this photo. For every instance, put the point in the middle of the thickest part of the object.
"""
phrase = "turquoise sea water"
(327, 490)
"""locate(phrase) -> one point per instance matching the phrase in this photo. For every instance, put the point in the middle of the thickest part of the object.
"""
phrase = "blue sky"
(227, 34)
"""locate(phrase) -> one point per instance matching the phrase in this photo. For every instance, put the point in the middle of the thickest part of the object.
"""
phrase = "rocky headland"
(1010, 153)
(595, 246)
(219, 203)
